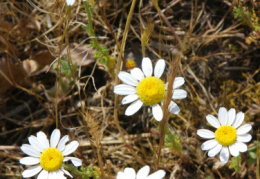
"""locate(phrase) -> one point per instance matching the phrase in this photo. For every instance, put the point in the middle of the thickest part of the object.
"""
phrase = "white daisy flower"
(70, 2)
(228, 137)
(129, 173)
(47, 157)
(142, 88)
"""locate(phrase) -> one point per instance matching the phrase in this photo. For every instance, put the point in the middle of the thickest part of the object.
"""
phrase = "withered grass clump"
(200, 41)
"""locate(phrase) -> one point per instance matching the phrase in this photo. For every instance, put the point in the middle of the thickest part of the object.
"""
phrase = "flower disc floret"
(145, 88)
(47, 156)
(230, 135)
(130, 64)
(51, 159)
(226, 135)
(151, 90)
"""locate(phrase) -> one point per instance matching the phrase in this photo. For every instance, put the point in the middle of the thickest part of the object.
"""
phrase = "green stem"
(90, 24)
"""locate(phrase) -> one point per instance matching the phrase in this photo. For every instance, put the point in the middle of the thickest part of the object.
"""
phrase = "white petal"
(70, 2)
(244, 138)
(43, 175)
(224, 155)
(205, 133)
(29, 150)
(159, 68)
(210, 144)
(60, 174)
(36, 144)
(213, 121)
(179, 94)
(157, 112)
(241, 146)
(157, 175)
(178, 81)
(244, 129)
(234, 151)
(52, 175)
(66, 172)
(231, 116)
(147, 67)
(239, 119)
(124, 89)
(55, 137)
(76, 162)
(42, 138)
(56, 174)
(214, 151)
(143, 172)
(173, 108)
(31, 171)
(133, 108)
(70, 148)
(129, 98)
(129, 173)
(137, 73)
(223, 116)
(127, 78)
(29, 160)
(120, 175)
(61, 145)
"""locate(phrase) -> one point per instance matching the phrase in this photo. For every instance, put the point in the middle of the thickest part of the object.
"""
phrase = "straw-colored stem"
(166, 102)
(174, 65)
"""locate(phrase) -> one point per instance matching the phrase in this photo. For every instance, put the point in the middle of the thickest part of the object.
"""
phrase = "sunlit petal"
(231, 116)
(34, 170)
(147, 67)
(205, 133)
(127, 78)
(55, 138)
(224, 155)
(244, 129)
(215, 150)
(210, 144)
(239, 119)
(179, 94)
(157, 112)
(159, 68)
(223, 116)
(213, 121)
(124, 89)
(129, 98)
(178, 82)
(137, 73)
(173, 108)
(133, 108)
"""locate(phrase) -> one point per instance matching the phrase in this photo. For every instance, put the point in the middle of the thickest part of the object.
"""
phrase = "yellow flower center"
(226, 135)
(51, 159)
(130, 64)
(150, 90)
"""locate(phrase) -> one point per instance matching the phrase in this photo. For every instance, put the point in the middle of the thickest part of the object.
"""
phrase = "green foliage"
(66, 68)
(172, 140)
(101, 52)
(66, 72)
(248, 18)
(88, 172)
(235, 163)
(242, 15)
(252, 153)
